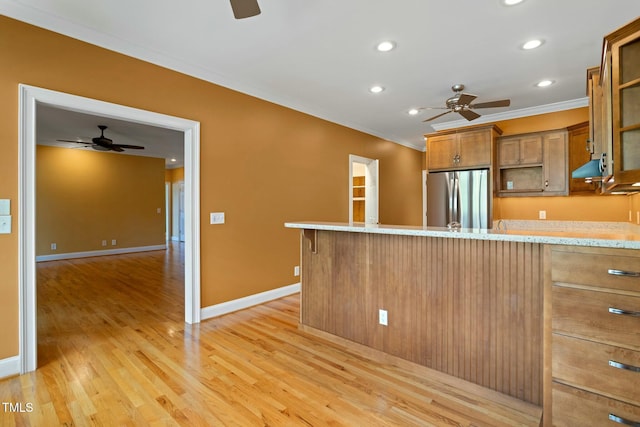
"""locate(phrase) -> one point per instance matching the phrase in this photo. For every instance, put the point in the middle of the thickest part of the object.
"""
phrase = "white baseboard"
(70, 255)
(249, 301)
(9, 367)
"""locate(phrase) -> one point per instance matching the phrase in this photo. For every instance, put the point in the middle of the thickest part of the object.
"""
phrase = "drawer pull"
(620, 420)
(623, 273)
(619, 365)
(613, 310)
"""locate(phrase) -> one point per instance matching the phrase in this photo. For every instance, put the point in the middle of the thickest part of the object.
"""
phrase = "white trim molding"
(9, 367)
(515, 114)
(248, 301)
(29, 98)
(87, 254)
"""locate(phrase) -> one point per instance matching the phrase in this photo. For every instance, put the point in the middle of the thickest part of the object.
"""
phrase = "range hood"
(591, 169)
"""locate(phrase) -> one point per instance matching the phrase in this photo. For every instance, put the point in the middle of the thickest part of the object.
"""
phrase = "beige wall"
(84, 197)
(574, 207)
(261, 164)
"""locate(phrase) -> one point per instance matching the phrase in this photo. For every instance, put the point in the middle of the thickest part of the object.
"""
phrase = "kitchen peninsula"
(474, 304)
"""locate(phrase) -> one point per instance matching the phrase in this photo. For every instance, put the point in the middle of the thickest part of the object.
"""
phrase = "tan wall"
(84, 197)
(261, 164)
(574, 207)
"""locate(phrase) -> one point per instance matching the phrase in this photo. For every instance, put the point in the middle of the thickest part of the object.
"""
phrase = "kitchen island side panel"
(468, 308)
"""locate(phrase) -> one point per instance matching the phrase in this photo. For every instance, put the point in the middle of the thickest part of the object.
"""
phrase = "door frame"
(371, 184)
(29, 97)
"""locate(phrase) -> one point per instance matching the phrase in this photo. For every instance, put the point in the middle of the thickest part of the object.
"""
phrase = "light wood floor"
(114, 350)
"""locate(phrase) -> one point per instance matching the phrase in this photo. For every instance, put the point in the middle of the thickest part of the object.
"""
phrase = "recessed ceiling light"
(544, 83)
(532, 44)
(511, 2)
(385, 46)
(173, 160)
(413, 111)
(376, 89)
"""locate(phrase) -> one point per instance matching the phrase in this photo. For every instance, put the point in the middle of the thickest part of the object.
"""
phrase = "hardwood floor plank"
(114, 350)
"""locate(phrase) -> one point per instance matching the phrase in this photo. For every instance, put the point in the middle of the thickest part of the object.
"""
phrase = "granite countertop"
(606, 235)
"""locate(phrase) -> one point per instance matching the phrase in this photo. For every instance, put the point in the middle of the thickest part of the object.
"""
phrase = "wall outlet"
(54, 246)
(296, 270)
(216, 218)
(114, 242)
(382, 317)
(104, 243)
(159, 210)
(542, 214)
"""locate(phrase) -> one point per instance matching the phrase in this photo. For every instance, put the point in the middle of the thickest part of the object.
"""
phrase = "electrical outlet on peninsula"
(382, 317)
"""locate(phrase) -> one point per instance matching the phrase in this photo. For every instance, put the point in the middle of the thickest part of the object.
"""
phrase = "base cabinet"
(595, 337)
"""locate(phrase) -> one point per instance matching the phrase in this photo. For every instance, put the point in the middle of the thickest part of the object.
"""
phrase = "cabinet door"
(579, 154)
(555, 163)
(626, 109)
(474, 149)
(531, 150)
(508, 151)
(442, 151)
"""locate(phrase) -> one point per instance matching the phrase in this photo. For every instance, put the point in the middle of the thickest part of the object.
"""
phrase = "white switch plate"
(217, 218)
(5, 207)
(382, 317)
(296, 270)
(542, 215)
(5, 224)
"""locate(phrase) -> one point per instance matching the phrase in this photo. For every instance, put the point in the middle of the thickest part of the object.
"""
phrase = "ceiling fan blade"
(245, 8)
(492, 104)
(133, 147)
(115, 148)
(466, 99)
(435, 117)
(77, 142)
(468, 114)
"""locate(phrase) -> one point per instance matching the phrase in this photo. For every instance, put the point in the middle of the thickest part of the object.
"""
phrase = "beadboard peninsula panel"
(468, 308)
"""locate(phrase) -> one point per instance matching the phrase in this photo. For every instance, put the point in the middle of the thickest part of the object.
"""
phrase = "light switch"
(5, 224)
(5, 207)
(216, 218)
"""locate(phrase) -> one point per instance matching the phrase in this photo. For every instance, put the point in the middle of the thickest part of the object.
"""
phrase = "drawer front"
(593, 269)
(587, 314)
(608, 370)
(573, 407)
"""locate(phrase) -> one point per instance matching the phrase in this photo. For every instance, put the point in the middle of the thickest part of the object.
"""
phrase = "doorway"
(363, 190)
(30, 97)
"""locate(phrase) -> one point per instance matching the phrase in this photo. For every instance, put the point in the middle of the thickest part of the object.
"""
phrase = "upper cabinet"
(620, 83)
(533, 164)
(461, 148)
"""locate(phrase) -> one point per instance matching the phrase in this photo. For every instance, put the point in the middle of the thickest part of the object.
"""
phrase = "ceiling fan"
(245, 8)
(461, 103)
(102, 143)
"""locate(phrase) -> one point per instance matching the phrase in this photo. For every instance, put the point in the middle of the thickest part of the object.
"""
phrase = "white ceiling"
(319, 57)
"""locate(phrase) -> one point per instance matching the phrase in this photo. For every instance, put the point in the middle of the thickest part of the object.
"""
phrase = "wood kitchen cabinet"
(533, 164)
(620, 81)
(580, 150)
(595, 337)
(461, 148)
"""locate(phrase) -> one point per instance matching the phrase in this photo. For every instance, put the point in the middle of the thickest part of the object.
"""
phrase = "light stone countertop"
(596, 234)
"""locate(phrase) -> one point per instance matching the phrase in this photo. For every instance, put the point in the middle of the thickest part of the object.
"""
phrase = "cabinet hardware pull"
(624, 366)
(623, 273)
(620, 420)
(613, 310)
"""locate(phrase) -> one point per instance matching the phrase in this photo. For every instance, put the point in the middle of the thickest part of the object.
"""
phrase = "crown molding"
(516, 114)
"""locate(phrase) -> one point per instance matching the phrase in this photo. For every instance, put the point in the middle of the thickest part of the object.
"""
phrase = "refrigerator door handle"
(454, 201)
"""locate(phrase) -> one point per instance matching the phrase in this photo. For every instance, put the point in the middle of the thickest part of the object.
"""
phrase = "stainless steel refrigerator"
(459, 199)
